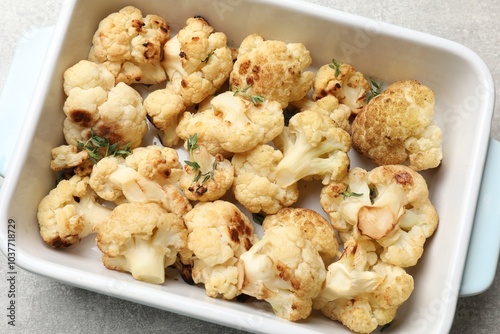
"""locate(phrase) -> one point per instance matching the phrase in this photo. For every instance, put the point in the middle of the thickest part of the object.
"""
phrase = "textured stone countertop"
(47, 306)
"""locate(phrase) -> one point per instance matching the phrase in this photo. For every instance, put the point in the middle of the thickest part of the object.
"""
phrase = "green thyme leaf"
(336, 66)
(347, 193)
(208, 57)
(99, 147)
(375, 89)
(192, 164)
(255, 99)
(258, 218)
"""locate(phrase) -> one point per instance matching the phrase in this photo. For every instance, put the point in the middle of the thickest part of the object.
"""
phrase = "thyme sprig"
(335, 64)
(256, 99)
(375, 89)
(99, 147)
(348, 193)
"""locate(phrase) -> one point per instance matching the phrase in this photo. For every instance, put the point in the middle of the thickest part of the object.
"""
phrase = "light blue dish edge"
(484, 246)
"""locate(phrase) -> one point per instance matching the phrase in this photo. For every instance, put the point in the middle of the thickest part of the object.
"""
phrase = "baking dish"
(465, 103)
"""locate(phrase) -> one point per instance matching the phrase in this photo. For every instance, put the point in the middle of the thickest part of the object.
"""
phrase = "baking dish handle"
(484, 246)
(19, 88)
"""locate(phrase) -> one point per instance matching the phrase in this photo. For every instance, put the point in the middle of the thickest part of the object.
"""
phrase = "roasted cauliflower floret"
(130, 46)
(159, 164)
(330, 105)
(233, 124)
(114, 181)
(343, 82)
(390, 205)
(255, 184)
(313, 148)
(360, 292)
(313, 226)
(218, 234)
(285, 269)
(164, 108)
(397, 127)
(93, 103)
(70, 158)
(70, 212)
(206, 177)
(143, 239)
(272, 69)
(197, 61)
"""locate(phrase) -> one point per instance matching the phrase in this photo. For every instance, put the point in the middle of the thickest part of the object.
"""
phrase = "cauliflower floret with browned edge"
(313, 226)
(233, 124)
(362, 292)
(390, 205)
(164, 108)
(272, 69)
(130, 46)
(70, 212)
(255, 184)
(283, 268)
(143, 239)
(206, 177)
(159, 164)
(398, 127)
(114, 181)
(69, 158)
(330, 105)
(313, 148)
(343, 82)
(93, 103)
(218, 234)
(197, 61)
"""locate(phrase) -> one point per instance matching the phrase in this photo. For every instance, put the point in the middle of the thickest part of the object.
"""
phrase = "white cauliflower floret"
(313, 226)
(159, 164)
(362, 292)
(69, 158)
(70, 212)
(397, 127)
(343, 82)
(390, 205)
(206, 177)
(313, 148)
(330, 105)
(197, 61)
(114, 181)
(143, 239)
(272, 69)
(112, 112)
(164, 108)
(233, 124)
(255, 184)
(130, 46)
(285, 269)
(218, 234)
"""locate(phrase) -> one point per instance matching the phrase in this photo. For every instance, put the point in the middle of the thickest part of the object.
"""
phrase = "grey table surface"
(47, 306)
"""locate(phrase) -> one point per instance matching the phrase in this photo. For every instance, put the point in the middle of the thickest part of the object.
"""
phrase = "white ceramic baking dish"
(464, 96)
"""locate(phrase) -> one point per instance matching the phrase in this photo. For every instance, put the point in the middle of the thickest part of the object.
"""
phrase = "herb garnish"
(100, 147)
(256, 99)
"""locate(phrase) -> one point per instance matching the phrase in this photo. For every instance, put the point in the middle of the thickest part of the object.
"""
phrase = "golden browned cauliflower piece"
(130, 46)
(255, 184)
(218, 234)
(143, 239)
(197, 61)
(272, 69)
(361, 292)
(389, 205)
(314, 227)
(343, 82)
(94, 103)
(398, 127)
